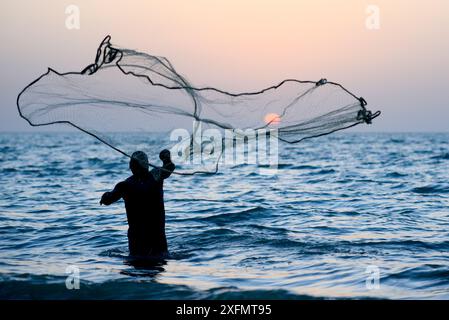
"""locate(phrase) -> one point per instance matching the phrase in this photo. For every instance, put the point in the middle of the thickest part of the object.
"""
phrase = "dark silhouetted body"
(144, 202)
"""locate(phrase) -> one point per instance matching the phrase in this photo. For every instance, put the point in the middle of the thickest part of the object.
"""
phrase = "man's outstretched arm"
(168, 168)
(112, 196)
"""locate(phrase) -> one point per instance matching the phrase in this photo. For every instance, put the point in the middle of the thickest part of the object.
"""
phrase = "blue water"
(338, 206)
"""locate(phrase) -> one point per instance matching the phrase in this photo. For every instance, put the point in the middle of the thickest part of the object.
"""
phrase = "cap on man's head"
(141, 158)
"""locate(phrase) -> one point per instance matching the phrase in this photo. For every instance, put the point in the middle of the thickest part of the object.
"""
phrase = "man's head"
(139, 163)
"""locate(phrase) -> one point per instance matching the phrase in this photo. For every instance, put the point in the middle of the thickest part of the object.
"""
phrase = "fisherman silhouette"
(144, 202)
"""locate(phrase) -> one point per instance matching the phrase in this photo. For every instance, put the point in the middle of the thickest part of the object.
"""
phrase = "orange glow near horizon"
(272, 119)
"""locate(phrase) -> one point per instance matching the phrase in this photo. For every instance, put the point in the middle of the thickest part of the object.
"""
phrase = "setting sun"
(272, 119)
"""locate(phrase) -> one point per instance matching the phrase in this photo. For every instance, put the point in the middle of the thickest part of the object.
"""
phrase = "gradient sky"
(401, 68)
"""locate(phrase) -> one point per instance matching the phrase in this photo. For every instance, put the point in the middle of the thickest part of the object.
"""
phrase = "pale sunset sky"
(401, 68)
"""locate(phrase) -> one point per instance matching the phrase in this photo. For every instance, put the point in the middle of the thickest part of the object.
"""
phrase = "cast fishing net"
(131, 100)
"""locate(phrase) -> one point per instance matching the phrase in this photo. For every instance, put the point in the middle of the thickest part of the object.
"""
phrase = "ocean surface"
(349, 215)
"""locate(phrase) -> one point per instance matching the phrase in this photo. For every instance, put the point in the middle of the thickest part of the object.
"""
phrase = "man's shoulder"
(149, 177)
(128, 180)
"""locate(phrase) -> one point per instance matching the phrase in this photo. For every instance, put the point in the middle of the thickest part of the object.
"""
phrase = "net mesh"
(126, 96)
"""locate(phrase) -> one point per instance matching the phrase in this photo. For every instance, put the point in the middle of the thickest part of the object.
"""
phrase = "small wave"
(405, 244)
(236, 216)
(305, 167)
(348, 247)
(94, 160)
(436, 273)
(123, 253)
(430, 189)
(324, 171)
(233, 294)
(397, 140)
(45, 287)
(212, 237)
(279, 166)
(276, 230)
(395, 174)
(116, 253)
(6, 149)
(105, 173)
(443, 156)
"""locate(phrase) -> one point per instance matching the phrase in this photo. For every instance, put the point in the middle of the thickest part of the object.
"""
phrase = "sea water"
(348, 215)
